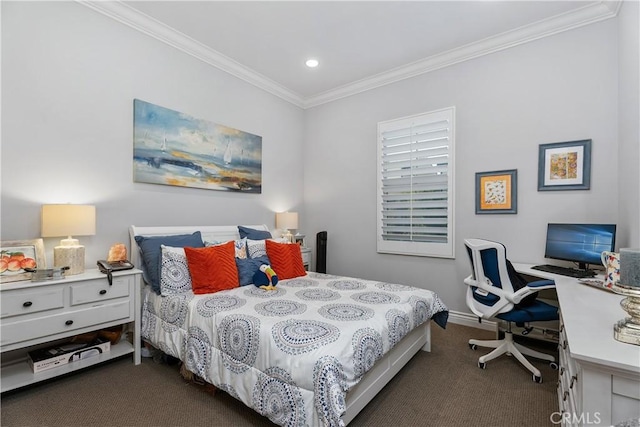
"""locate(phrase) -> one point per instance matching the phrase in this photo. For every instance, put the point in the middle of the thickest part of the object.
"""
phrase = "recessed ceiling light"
(312, 63)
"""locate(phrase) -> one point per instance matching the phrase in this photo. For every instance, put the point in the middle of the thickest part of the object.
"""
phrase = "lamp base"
(69, 256)
(628, 329)
(287, 236)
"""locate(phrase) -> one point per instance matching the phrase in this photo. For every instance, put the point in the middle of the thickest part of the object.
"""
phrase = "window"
(416, 182)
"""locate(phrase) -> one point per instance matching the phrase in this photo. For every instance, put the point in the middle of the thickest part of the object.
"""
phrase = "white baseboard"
(471, 320)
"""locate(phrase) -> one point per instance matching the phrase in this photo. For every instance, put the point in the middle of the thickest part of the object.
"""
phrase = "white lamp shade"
(68, 220)
(287, 220)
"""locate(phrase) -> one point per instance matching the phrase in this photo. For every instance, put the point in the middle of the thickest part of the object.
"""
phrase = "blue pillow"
(247, 268)
(252, 233)
(152, 253)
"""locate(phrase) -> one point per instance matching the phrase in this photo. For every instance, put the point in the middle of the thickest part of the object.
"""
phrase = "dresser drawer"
(19, 302)
(99, 290)
(64, 322)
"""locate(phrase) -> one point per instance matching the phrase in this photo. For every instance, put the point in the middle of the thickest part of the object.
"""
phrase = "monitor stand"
(585, 267)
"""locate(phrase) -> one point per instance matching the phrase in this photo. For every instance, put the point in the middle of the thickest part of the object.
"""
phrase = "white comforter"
(294, 352)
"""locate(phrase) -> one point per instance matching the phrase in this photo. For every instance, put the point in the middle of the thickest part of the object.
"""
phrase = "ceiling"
(360, 44)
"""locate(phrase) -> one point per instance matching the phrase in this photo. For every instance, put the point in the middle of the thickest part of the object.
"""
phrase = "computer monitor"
(579, 243)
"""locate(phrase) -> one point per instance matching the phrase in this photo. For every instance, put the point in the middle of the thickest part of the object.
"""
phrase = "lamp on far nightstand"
(68, 220)
(287, 221)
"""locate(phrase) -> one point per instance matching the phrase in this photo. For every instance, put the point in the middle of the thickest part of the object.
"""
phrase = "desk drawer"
(19, 302)
(64, 322)
(99, 290)
(626, 387)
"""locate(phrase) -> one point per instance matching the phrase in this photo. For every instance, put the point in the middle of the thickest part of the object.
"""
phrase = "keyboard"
(564, 271)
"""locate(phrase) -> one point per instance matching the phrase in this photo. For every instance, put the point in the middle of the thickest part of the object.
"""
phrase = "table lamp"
(287, 221)
(69, 220)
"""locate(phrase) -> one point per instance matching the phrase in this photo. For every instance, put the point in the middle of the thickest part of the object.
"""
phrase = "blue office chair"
(496, 290)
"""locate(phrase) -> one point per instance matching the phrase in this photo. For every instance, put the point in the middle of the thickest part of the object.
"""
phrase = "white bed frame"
(373, 381)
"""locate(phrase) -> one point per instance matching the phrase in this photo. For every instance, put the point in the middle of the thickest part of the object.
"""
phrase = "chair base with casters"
(508, 346)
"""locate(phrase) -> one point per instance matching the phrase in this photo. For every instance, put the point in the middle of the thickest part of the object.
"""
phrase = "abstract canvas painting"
(172, 148)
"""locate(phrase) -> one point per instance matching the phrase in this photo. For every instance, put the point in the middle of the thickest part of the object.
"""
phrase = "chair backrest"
(489, 267)
(489, 262)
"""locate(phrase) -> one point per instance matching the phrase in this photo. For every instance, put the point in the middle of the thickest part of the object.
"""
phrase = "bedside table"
(36, 313)
(306, 257)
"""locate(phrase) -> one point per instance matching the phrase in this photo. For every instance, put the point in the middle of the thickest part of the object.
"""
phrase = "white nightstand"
(306, 257)
(36, 313)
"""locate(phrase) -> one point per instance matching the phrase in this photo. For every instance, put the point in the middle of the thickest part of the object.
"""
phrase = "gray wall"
(629, 120)
(560, 88)
(69, 77)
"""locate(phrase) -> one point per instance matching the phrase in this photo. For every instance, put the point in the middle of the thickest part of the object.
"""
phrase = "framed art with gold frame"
(496, 192)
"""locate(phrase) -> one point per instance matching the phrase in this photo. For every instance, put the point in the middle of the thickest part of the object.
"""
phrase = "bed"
(314, 351)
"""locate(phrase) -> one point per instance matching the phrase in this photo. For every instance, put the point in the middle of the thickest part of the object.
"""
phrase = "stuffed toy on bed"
(265, 278)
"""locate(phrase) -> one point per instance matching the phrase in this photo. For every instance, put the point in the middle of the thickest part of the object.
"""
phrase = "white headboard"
(211, 233)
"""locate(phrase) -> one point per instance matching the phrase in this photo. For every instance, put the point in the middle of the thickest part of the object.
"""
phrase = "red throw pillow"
(212, 268)
(286, 259)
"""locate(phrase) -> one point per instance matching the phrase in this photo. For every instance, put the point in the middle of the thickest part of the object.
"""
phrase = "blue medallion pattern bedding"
(292, 353)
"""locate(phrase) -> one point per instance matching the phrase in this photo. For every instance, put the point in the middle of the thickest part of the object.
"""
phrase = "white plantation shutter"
(415, 178)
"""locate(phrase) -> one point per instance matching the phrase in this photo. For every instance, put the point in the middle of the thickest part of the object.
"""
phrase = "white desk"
(599, 381)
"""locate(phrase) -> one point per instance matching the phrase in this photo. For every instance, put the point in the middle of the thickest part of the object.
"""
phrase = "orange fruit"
(13, 265)
(28, 263)
(17, 256)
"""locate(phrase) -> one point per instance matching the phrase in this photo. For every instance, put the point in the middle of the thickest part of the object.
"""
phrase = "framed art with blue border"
(496, 192)
(564, 166)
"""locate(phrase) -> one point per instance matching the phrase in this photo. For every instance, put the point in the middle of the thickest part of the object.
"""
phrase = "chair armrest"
(470, 281)
(542, 284)
(489, 311)
(529, 289)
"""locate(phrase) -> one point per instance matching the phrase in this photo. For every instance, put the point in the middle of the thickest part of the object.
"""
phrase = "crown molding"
(547, 27)
(127, 15)
(137, 20)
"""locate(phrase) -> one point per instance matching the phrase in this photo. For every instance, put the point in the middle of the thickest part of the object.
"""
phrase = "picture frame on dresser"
(16, 255)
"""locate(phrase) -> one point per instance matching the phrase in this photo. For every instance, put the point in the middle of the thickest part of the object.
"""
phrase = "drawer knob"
(103, 291)
(574, 379)
(68, 322)
(27, 304)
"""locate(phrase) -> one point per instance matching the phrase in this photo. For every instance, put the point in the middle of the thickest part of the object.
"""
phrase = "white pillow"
(174, 271)
(257, 248)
